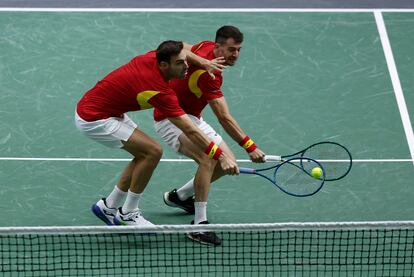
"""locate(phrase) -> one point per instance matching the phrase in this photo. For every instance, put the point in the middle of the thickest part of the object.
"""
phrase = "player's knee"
(154, 151)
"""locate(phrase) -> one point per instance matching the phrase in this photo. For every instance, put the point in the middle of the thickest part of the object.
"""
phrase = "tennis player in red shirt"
(141, 84)
(195, 92)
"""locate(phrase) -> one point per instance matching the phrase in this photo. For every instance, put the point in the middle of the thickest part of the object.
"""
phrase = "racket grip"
(269, 158)
(247, 170)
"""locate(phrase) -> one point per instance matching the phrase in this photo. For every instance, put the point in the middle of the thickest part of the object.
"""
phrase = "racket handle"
(270, 158)
(247, 170)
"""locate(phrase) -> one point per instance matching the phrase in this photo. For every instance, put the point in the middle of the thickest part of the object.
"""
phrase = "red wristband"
(209, 148)
(213, 151)
(217, 154)
(248, 144)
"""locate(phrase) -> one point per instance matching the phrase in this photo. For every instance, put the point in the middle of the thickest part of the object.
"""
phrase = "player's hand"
(214, 65)
(228, 165)
(257, 156)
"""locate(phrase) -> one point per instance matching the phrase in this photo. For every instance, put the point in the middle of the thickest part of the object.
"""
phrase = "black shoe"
(172, 200)
(204, 237)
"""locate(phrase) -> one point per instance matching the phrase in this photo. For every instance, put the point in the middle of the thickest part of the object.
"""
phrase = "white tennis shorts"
(110, 131)
(170, 133)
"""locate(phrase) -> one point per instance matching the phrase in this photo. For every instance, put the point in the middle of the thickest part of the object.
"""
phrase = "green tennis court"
(301, 78)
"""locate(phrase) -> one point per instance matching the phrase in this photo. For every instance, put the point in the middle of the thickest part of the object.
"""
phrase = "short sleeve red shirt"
(197, 88)
(137, 85)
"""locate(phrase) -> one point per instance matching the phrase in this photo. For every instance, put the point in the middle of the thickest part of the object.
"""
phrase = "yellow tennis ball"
(316, 172)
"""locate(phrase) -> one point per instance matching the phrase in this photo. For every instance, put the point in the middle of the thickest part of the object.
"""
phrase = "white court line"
(183, 160)
(192, 10)
(399, 95)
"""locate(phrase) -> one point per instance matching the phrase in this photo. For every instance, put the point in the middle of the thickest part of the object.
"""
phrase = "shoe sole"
(121, 223)
(98, 212)
(172, 204)
(201, 241)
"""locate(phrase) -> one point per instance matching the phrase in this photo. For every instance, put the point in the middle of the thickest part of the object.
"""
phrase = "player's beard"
(183, 74)
(231, 61)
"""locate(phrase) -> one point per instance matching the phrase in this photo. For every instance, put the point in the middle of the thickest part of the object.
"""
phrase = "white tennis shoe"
(132, 218)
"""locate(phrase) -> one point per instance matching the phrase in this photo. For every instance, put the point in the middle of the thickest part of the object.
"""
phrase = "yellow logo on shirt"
(193, 80)
(144, 96)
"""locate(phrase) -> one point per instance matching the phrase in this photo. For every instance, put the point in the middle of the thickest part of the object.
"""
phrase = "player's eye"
(232, 49)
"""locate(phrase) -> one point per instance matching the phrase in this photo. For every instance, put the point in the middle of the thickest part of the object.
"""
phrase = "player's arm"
(231, 126)
(210, 66)
(184, 123)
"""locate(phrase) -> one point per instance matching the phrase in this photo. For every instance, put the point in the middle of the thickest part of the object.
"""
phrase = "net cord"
(359, 225)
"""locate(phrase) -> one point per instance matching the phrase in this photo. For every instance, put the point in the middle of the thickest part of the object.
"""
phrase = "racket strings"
(293, 177)
(336, 159)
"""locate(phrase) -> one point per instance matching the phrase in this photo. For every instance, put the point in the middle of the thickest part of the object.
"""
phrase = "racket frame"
(293, 161)
(275, 158)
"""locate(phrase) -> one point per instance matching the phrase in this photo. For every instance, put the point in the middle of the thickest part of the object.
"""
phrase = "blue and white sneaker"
(132, 218)
(103, 212)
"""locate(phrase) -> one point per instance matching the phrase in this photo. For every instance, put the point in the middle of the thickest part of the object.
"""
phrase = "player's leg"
(183, 198)
(106, 208)
(201, 187)
(184, 195)
(147, 153)
(205, 168)
(122, 133)
(117, 197)
(102, 131)
(110, 205)
(180, 143)
(174, 137)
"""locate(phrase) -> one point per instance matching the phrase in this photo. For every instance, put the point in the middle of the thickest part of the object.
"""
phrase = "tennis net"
(280, 249)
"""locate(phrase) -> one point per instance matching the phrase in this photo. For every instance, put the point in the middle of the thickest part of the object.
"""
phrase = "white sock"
(116, 198)
(200, 212)
(131, 202)
(186, 191)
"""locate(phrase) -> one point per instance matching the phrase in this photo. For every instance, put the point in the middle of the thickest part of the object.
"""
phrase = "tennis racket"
(292, 176)
(335, 158)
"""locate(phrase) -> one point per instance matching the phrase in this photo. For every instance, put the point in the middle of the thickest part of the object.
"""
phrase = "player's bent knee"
(152, 151)
(156, 152)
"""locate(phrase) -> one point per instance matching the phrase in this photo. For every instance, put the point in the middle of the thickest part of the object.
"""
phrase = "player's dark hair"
(226, 32)
(167, 49)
